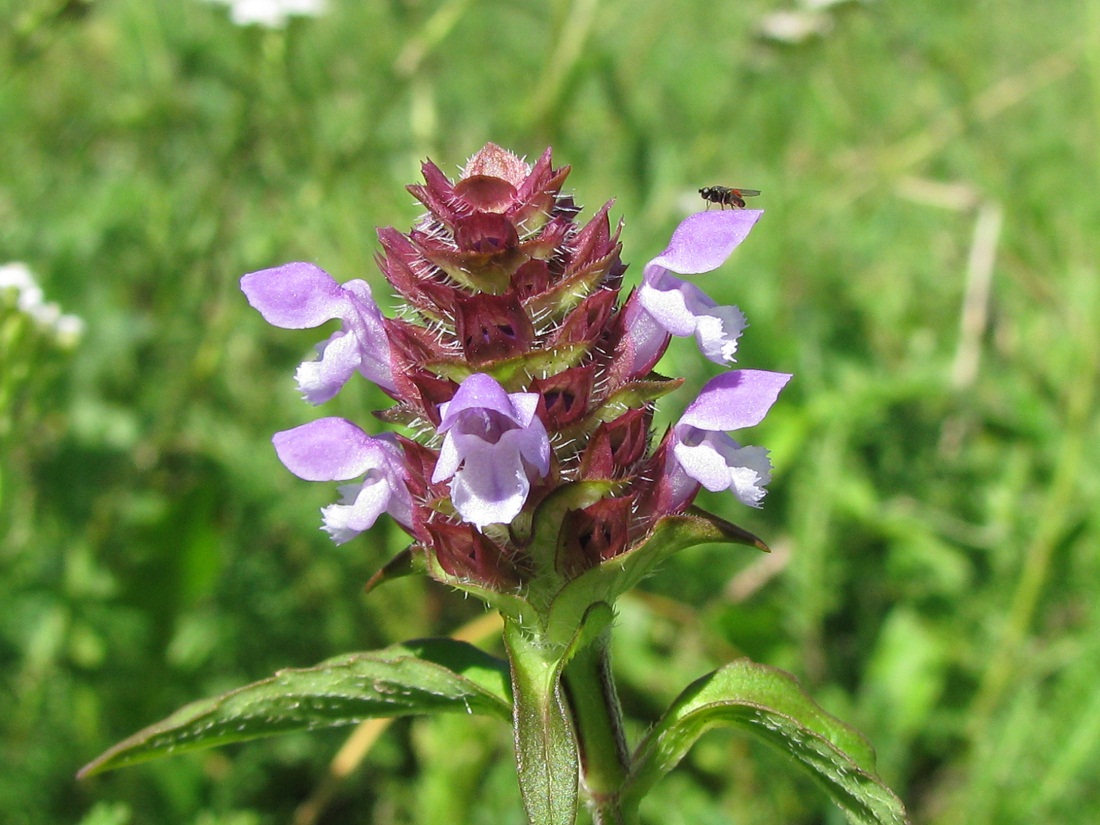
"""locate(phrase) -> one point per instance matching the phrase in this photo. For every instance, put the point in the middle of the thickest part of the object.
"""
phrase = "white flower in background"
(18, 276)
(793, 27)
(271, 13)
(796, 26)
(30, 300)
(825, 5)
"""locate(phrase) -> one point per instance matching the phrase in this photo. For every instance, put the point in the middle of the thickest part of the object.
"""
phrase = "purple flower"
(495, 445)
(665, 305)
(702, 453)
(334, 449)
(300, 296)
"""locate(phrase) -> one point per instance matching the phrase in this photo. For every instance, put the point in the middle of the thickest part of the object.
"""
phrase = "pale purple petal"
(703, 241)
(750, 470)
(369, 328)
(681, 487)
(361, 504)
(717, 332)
(334, 449)
(450, 459)
(296, 296)
(703, 451)
(647, 338)
(338, 358)
(495, 444)
(672, 302)
(477, 392)
(735, 400)
(492, 485)
(328, 449)
(682, 309)
(698, 454)
(301, 296)
(668, 305)
(532, 443)
(718, 463)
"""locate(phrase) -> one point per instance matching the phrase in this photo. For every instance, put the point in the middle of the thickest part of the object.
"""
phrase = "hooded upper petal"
(703, 241)
(734, 400)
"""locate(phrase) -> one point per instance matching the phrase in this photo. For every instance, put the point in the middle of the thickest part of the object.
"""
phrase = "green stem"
(598, 723)
(546, 750)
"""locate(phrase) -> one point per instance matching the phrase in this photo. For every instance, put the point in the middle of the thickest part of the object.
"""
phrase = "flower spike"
(522, 379)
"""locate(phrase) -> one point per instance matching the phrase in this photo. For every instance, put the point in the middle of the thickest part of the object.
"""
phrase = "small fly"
(726, 196)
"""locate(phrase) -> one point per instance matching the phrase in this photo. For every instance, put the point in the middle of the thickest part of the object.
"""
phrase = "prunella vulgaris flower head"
(523, 385)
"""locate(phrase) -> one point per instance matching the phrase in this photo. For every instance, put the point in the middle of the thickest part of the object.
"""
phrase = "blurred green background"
(927, 266)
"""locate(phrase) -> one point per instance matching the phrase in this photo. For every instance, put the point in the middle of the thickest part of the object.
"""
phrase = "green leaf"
(422, 676)
(769, 704)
